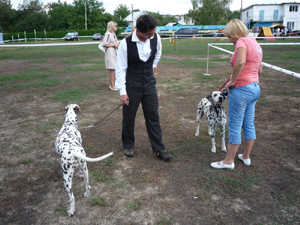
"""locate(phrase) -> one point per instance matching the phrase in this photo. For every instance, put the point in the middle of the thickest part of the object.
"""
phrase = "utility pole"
(132, 14)
(85, 15)
(241, 18)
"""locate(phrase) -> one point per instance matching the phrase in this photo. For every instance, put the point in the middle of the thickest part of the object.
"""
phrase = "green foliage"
(7, 15)
(31, 15)
(209, 12)
(120, 13)
(96, 17)
(233, 15)
(60, 16)
(56, 16)
(162, 21)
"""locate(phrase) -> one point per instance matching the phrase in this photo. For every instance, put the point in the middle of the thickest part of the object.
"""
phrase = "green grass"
(38, 53)
(26, 161)
(84, 68)
(165, 221)
(134, 206)
(79, 60)
(98, 201)
(73, 95)
(193, 63)
(61, 209)
(23, 76)
(38, 61)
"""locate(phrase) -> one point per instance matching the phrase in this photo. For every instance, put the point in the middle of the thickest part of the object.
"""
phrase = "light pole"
(132, 14)
(241, 18)
(85, 15)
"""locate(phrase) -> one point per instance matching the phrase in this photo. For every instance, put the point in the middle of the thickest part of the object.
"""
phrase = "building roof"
(284, 3)
(135, 16)
(183, 22)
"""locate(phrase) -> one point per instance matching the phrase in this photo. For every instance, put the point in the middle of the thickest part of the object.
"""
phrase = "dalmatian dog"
(68, 145)
(212, 108)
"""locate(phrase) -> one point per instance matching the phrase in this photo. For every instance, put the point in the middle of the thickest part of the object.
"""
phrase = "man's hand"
(124, 99)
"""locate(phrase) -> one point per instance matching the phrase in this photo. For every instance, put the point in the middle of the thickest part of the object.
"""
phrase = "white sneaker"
(222, 166)
(246, 162)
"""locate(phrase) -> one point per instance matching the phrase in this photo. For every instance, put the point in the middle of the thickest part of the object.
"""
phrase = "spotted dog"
(68, 145)
(212, 108)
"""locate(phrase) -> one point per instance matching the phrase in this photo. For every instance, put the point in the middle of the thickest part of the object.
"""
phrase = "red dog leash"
(224, 84)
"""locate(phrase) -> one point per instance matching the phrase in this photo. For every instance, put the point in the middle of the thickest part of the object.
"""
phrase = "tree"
(60, 16)
(65, 16)
(120, 13)
(31, 15)
(161, 19)
(233, 15)
(95, 14)
(7, 15)
(209, 12)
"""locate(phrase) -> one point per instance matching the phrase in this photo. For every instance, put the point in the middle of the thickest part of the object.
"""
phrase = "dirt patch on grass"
(143, 189)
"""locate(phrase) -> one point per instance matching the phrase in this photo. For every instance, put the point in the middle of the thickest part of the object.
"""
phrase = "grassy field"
(36, 83)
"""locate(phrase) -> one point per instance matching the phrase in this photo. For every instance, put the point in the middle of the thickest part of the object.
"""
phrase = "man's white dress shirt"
(144, 50)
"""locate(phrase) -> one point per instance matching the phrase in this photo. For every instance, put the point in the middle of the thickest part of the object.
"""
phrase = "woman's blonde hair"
(236, 29)
(110, 26)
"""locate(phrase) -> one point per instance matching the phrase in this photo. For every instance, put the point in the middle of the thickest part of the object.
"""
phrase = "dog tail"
(81, 156)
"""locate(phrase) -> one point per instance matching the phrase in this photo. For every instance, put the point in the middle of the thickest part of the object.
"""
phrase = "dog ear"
(209, 98)
(77, 110)
(66, 109)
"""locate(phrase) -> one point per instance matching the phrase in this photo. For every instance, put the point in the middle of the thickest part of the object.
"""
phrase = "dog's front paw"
(213, 150)
(197, 134)
(224, 149)
(70, 212)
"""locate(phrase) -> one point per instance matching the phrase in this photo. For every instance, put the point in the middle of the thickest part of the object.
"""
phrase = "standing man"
(138, 54)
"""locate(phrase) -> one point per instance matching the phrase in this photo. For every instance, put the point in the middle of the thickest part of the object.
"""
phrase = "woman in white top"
(111, 44)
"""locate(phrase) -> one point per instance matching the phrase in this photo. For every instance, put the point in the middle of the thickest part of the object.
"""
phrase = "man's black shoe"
(128, 152)
(164, 155)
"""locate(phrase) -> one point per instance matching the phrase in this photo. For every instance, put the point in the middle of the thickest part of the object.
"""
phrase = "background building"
(286, 14)
(132, 17)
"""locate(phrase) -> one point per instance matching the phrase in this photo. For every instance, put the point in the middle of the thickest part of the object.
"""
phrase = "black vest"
(138, 70)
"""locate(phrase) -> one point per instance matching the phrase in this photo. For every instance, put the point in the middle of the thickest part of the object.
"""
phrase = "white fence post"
(45, 34)
(207, 74)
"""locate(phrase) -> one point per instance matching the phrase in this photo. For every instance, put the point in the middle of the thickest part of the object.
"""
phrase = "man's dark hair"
(145, 23)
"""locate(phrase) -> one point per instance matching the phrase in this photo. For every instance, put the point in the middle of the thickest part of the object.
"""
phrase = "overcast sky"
(172, 7)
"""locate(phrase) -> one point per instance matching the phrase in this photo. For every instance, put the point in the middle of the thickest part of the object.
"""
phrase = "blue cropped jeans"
(241, 112)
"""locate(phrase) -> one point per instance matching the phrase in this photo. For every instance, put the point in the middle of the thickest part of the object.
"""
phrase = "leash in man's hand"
(121, 105)
(101, 119)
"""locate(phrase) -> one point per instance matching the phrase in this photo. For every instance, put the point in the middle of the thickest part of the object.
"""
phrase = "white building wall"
(268, 12)
(291, 16)
(283, 14)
